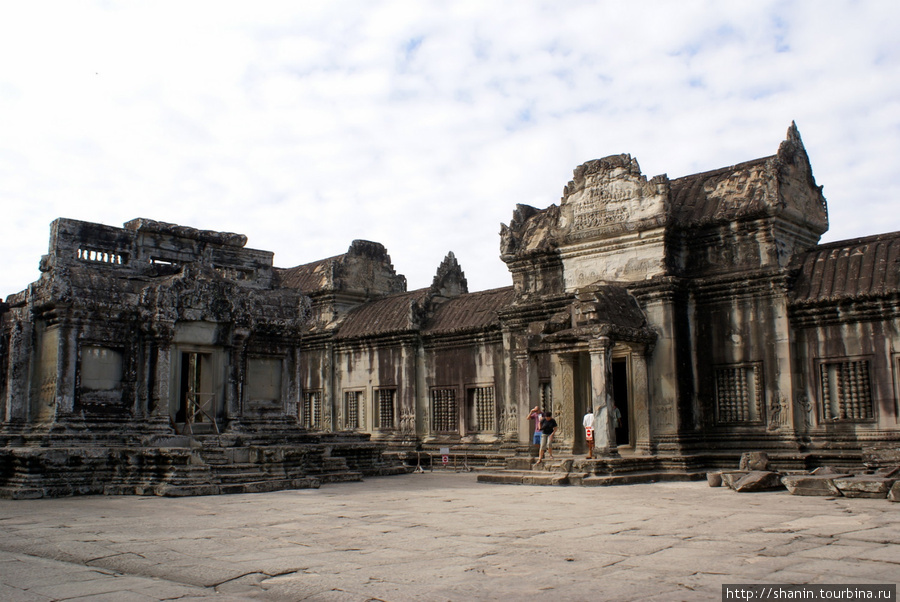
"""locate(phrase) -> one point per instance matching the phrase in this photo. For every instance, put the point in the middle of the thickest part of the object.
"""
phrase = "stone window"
(386, 398)
(444, 411)
(101, 368)
(738, 394)
(101, 256)
(846, 390)
(354, 410)
(264, 379)
(546, 395)
(100, 379)
(480, 409)
(312, 409)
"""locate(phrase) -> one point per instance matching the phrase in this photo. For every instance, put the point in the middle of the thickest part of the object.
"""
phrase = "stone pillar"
(294, 388)
(328, 401)
(522, 399)
(601, 399)
(513, 433)
(45, 375)
(640, 395)
(18, 394)
(160, 381)
(67, 365)
(162, 405)
(563, 387)
(407, 391)
(234, 387)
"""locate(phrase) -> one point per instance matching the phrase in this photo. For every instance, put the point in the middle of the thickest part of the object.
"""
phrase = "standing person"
(536, 416)
(548, 427)
(621, 437)
(588, 422)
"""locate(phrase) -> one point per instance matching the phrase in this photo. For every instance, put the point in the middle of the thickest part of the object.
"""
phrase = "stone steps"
(180, 465)
(540, 477)
(580, 471)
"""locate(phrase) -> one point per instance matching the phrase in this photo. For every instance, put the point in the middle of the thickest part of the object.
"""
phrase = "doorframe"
(218, 383)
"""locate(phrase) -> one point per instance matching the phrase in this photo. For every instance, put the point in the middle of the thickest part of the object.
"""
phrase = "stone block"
(821, 484)
(172, 441)
(730, 477)
(758, 480)
(754, 461)
(864, 486)
(240, 455)
(894, 493)
(881, 456)
(828, 470)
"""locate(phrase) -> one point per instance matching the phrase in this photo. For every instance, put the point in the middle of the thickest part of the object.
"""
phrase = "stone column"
(234, 387)
(67, 366)
(21, 350)
(328, 401)
(407, 391)
(162, 378)
(563, 387)
(640, 392)
(522, 397)
(163, 401)
(293, 383)
(601, 399)
(512, 430)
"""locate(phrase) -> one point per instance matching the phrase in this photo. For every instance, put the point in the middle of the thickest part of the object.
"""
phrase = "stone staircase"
(160, 463)
(580, 471)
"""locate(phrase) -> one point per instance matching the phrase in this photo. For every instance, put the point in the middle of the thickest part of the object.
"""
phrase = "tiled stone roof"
(307, 278)
(473, 311)
(401, 313)
(695, 199)
(384, 316)
(847, 269)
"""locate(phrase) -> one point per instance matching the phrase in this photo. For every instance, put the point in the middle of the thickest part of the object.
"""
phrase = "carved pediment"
(610, 195)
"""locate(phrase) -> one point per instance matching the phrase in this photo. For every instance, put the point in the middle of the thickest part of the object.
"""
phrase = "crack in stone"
(216, 586)
(88, 562)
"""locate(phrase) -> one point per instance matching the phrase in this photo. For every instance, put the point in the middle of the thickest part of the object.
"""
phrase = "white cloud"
(421, 124)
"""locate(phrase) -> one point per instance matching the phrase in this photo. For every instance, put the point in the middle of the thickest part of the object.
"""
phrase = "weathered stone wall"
(473, 374)
(852, 367)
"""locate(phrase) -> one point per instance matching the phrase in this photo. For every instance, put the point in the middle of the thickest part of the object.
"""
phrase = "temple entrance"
(576, 396)
(620, 398)
(198, 407)
(581, 398)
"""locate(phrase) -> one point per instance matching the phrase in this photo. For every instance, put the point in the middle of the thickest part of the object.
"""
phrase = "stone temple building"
(702, 308)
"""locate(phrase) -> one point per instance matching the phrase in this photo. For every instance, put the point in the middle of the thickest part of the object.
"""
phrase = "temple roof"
(406, 312)
(308, 278)
(693, 198)
(862, 267)
(384, 316)
(472, 311)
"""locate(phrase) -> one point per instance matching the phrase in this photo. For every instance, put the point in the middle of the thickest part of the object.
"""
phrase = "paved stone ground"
(441, 536)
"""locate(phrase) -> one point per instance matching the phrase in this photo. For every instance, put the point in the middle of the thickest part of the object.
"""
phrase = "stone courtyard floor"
(441, 536)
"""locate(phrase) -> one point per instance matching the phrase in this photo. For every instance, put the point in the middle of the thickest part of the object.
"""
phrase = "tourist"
(536, 416)
(548, 427)
(588, 422)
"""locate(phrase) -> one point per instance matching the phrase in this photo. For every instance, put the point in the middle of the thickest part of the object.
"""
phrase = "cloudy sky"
(421, 124)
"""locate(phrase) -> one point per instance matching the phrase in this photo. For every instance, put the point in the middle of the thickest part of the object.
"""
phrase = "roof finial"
(793, 134)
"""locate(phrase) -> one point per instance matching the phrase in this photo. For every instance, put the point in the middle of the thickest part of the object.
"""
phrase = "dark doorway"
(620, 398)
(196, 396)
(581, 402)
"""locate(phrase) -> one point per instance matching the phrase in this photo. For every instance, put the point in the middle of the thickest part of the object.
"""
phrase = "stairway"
(569, 470)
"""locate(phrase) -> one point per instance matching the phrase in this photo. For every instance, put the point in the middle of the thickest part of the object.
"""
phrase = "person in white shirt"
(588, 423)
